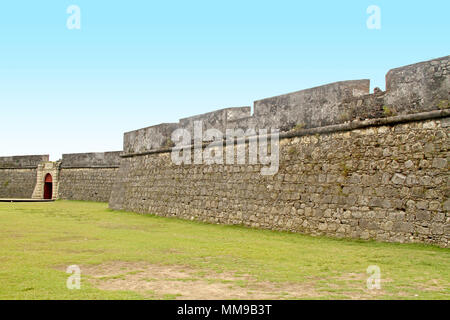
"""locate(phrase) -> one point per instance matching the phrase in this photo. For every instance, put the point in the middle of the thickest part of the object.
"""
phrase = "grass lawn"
(125, 255)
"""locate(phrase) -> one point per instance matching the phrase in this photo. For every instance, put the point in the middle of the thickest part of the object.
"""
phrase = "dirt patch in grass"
(113, 226)
(434, 285)
(72, 238)
(13, 235)
(184, 282)
(93, 251)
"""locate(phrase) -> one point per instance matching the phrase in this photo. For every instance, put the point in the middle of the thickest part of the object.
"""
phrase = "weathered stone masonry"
(388, 183)
(83, 176)
(352, 164)
(18, 175)
(88, 176)
(383, 178)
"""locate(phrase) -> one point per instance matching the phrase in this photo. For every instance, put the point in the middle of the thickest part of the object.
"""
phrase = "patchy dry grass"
(129, 256)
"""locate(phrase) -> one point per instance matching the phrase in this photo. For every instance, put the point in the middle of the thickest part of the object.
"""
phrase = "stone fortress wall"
(18, 175)
(88, 176)
(411, 89)
(352, 164)
(80, 176)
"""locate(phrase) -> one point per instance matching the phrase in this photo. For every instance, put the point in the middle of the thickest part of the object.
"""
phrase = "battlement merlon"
(31, 161)
(149, 138)
(314, 107)
(91, 160)
(415, 88)
(419, 87)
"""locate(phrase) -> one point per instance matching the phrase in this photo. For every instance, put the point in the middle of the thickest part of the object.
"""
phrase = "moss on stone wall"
(387, 183)
(89, 184)
(17, 183)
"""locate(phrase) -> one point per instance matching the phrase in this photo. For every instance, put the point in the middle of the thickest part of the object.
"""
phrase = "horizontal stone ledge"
(12, 168)
(348, 126)
(91, 167)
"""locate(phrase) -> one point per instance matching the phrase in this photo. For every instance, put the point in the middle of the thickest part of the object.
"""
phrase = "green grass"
(36, 238)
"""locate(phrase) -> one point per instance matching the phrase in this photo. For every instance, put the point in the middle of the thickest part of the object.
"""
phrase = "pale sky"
(134, 64)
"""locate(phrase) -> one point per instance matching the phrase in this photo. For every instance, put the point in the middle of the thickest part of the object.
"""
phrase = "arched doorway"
(48, 187)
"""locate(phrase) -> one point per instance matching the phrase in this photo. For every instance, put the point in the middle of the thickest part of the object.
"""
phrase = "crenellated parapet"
(415, 88)
(91, 160)
(18, 175)
(22, 162)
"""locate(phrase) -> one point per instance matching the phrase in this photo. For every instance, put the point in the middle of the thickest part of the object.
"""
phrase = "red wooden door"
(48, 187)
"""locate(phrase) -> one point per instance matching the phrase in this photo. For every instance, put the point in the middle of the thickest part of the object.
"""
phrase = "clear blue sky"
(139, 63)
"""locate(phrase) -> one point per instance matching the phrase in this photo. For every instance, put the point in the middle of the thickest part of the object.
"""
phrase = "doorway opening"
(48, 187)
